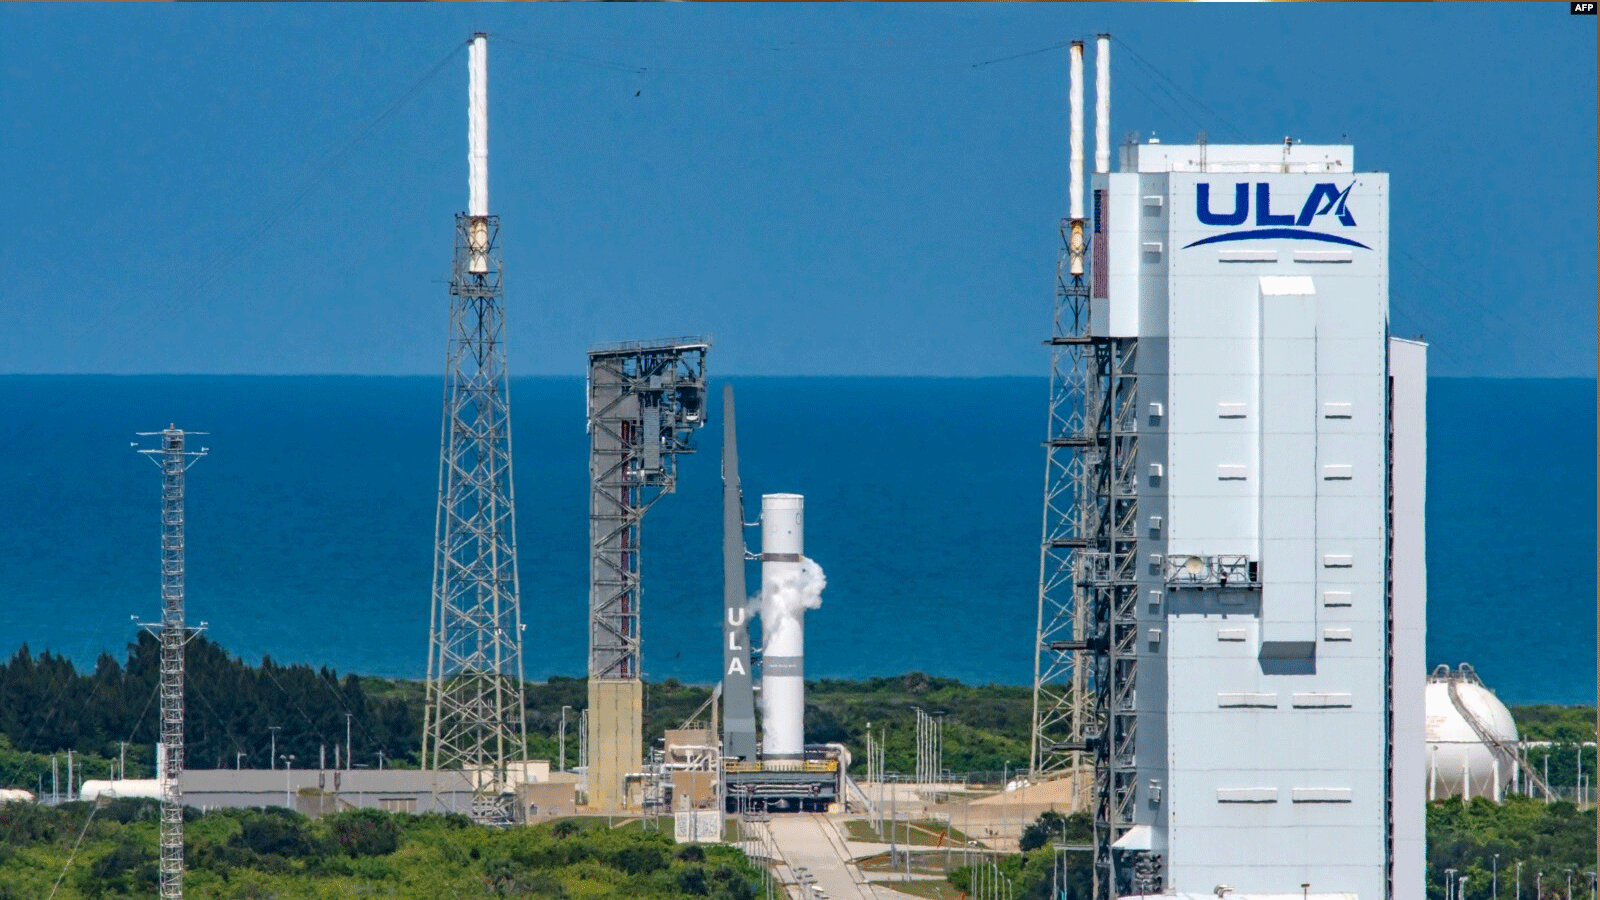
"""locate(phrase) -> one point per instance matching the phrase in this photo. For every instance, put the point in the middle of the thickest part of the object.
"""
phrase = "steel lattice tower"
(1061, 679)
(473, 720)
(173, 460)
(646, 400)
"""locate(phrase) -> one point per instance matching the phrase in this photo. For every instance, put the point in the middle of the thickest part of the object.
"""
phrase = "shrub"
(128, 868)
(366, 832)
(692, 853)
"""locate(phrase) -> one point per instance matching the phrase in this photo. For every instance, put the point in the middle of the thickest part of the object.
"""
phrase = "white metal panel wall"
(1254, 364)
(1153, 220)
(1151, 701)
(1408, 370)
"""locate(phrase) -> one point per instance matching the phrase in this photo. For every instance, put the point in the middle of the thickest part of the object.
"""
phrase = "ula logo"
(1324, 200)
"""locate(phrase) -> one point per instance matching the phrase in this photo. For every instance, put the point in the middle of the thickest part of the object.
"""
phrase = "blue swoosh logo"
(1265, 233)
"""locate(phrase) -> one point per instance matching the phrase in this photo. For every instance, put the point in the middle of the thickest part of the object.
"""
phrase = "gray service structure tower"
(1238, 467)
(646, 400)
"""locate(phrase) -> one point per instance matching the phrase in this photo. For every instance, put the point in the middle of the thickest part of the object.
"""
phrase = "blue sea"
(310, 525)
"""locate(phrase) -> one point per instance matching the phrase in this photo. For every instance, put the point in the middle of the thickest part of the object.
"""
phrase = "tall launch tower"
(646, 400)
(1236, 498)
(174, 460)
(473, 720)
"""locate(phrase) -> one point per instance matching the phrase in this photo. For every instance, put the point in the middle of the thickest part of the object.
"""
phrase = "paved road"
(810, 845)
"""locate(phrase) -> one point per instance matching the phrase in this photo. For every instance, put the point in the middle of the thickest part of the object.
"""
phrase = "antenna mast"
(173, 461)
(473, 720)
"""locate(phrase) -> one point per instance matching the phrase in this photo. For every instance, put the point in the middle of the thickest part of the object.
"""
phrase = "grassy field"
(920, 833)
(931, 888)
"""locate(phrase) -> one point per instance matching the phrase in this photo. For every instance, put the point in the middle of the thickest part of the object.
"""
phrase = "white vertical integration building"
(1277, 671)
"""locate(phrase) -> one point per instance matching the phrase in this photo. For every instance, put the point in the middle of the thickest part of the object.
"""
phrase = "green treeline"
(254, 854)
(1550, 838)
(47, 707)
(1553, 839)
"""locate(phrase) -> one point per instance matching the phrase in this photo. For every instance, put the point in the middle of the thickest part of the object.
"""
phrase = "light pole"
(380, 760)
(1538, 880)
(1569, 875)
(238, 761)
(272, 755)
(288, 773)
(1449, 883)
(1494, 883)
(347, 756)
(1519, 879)
(562, 737)
(1305, 889)
(1461, 889)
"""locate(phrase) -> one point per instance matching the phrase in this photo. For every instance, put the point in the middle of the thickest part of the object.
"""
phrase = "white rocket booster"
(790, 584)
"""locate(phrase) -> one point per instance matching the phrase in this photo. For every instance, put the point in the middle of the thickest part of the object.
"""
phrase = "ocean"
(310, 524)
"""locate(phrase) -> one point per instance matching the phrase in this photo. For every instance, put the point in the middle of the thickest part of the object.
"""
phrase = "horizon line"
(580, 375)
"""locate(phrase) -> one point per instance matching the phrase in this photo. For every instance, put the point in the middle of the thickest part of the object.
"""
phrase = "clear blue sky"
(826, 189)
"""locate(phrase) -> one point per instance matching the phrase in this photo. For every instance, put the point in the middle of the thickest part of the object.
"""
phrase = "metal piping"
(1075, 242)
(1075, 104)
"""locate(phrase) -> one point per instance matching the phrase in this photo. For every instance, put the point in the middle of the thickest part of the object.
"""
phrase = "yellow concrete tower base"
(616, 734)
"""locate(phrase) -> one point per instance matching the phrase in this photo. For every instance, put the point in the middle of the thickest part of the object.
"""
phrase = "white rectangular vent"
(1156, 470)
(1230, 472)
(1338, 561)
(1233, 634)
(1336, 410)
(1247, 255)
(1247, 795)
(1254, 701)
(1321, 795)
(1288, 286)
(1324, 256)
(1336, 634)
(1153, 200)
(1321, 700)
(1155, 635)
(1230, 410)
(1338, 472)
(1155, 410)
(1151, 246)
(1155, 601)
(1335, 598)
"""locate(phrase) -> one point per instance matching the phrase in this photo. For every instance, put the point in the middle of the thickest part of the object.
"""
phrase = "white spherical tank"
(1460, 761)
